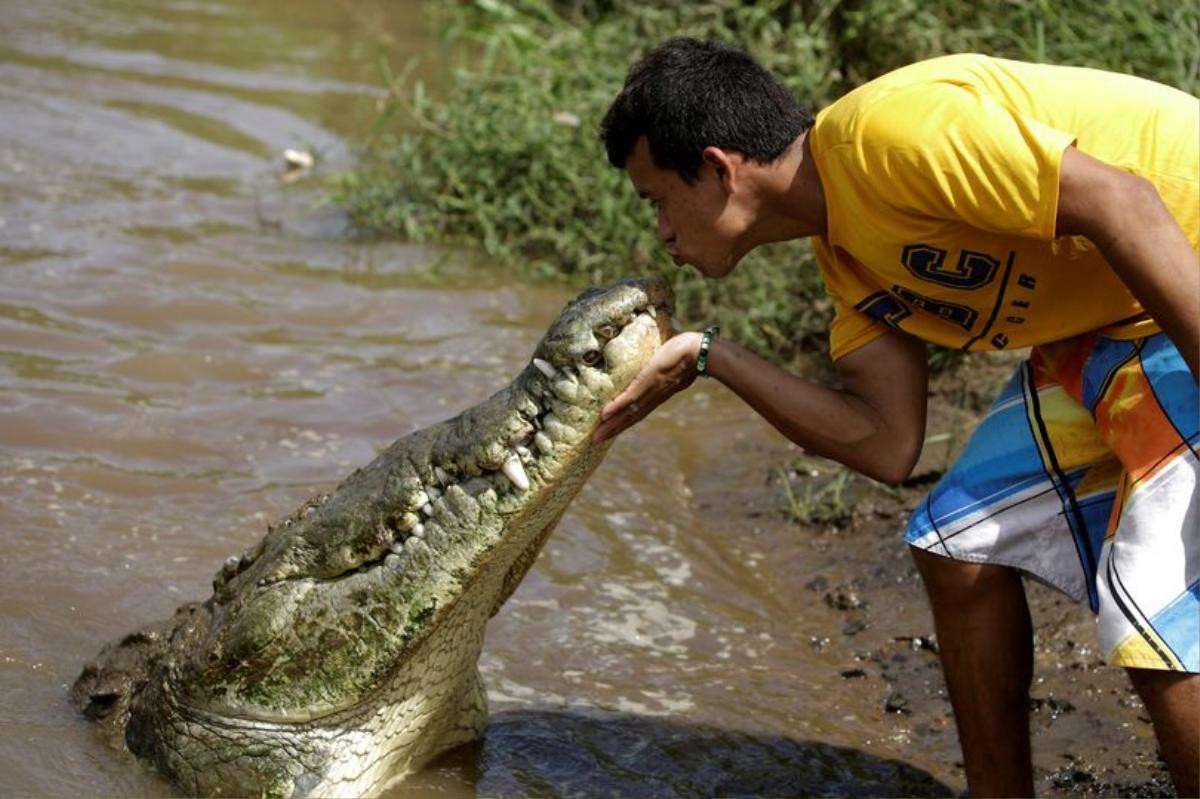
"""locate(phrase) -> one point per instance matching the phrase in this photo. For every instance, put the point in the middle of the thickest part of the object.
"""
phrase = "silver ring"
(632, 408)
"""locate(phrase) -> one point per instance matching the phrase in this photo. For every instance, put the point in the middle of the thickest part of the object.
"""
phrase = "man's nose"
(666, 234)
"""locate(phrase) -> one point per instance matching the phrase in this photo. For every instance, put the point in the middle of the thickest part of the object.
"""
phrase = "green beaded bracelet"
(709, 334)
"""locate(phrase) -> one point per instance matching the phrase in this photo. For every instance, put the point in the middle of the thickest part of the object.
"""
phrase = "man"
(981, 204)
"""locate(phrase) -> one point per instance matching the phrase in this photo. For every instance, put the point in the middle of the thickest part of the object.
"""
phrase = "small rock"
(896, 703)
(844, 600)
(298, 159)
(1069, 777)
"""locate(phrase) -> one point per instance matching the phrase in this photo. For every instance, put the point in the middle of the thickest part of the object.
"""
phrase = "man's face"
(697, 222)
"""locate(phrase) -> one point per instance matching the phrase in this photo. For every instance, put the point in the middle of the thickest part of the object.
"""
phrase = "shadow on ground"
(586, 754)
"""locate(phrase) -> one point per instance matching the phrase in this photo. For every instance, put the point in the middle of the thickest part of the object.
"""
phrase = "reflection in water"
(188, 350)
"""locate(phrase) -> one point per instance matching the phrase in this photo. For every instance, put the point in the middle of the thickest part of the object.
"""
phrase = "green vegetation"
(815, 497)
(507, 156)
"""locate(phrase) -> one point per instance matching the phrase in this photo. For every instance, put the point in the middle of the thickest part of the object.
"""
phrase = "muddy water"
(188, 349)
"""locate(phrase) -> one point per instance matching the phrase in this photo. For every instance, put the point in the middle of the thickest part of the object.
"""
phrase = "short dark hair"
(687, 94)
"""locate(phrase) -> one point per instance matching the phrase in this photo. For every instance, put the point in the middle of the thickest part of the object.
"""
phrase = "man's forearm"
(876, 436)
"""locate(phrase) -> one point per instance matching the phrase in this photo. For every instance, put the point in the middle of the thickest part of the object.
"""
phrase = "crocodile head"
(359, 618)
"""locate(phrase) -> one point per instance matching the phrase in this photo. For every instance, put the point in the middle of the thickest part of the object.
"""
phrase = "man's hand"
(670, 370)
(1124, 217)
(875, 423)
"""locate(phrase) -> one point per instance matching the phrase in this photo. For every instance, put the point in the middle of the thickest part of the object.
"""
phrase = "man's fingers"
(619, 404)
(614, 405)
(622, 418)
(607, 430)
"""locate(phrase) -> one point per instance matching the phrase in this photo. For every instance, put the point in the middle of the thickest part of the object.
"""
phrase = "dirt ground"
(1091, 733)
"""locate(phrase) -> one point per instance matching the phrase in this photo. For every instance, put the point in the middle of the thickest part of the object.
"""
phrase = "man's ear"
(725, 163)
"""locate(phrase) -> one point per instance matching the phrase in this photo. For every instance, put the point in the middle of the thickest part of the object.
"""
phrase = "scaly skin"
(339, 653)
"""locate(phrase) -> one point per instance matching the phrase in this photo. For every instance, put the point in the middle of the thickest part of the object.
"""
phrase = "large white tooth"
(594, 380)
(650, 309)
(545, 368)
(558, 431)
(566, 390)
(514, 471)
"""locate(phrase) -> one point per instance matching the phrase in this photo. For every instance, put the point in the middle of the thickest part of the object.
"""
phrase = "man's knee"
(962, 584)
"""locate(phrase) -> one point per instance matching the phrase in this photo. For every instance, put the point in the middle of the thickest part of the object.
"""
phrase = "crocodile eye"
(592, 357)
(607, 331)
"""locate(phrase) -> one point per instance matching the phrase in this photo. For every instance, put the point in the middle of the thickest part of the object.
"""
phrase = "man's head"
(691, 114)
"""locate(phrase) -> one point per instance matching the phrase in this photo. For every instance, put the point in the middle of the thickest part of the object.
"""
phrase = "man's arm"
(874, 424)
(1125, 218)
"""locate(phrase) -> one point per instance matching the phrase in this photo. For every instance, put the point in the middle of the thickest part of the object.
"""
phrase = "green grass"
(507, 157)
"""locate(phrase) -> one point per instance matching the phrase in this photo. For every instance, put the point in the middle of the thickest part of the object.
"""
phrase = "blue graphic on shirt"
(972, 270)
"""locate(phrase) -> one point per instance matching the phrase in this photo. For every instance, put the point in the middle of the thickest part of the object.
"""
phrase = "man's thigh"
(1033, 489)
(1084, 475)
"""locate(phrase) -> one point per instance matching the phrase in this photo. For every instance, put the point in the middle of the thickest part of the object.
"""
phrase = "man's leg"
(1173, 699)
(986, 641)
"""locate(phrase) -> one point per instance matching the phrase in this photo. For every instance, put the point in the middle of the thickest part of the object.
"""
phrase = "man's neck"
(791, 196)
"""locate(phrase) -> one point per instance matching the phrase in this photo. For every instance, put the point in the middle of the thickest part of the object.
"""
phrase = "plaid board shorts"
(1084, 475)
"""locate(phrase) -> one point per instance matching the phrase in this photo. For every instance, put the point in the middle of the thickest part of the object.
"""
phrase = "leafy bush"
(508, 158)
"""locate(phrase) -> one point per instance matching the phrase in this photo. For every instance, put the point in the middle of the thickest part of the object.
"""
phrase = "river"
(190, 346)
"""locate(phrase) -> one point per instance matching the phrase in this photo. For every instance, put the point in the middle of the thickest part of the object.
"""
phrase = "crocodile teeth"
(441, 475)
(545, 368)
(514, 471)
(651, 310)
(418, 531)
(566, 390)
(543, 443)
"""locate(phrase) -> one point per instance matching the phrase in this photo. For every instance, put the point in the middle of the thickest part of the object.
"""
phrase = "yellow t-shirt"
(941, 184)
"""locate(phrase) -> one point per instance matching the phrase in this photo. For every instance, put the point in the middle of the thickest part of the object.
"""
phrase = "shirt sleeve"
(945, 151)
(850, 328)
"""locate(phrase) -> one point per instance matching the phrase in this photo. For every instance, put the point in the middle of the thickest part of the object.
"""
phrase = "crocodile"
(340, 652)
